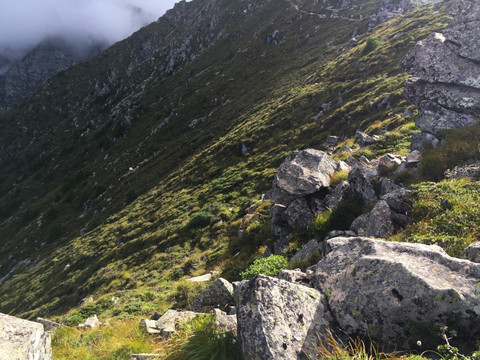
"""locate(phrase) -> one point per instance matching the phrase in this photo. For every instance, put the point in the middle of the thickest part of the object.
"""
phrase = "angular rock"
(226, 323)
(398, 201)
(90, 323)
(150, 326)
(396, 293)
(387, 186)
(23, 340)
(420, 140)
(338, 194)
(365, 139)
(472, 252)
(388, 162)
(278, 319)
(471, 171)
(414, 157)
(306, 251)
(298, 213)
(295, 277)
(48, 325)
(377, 223)
(171, 320)
(359, 180)
(304, 172)
(340, 233)
(218, 295)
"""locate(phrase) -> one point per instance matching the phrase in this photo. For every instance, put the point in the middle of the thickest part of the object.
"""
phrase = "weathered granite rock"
(471, 171)
(472, 252)
(150, 326)
(398, 201)
(218, 295)
(201, 278)
(23, 340)
(278, 319)
(377, 223)
(414, 157)
(171, 320)
(396, 293)
(387, 186)
(359, 180)
(304, 172)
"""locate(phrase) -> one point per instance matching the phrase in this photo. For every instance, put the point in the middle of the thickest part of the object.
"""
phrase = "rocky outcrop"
(299, 187)
(394, 294)
(23, 340)
(278, 319)
(472, 252)
(446, 82)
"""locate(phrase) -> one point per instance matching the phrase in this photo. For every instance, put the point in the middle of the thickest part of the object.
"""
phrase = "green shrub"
(270, 266)
(200, 219)
(370, 45)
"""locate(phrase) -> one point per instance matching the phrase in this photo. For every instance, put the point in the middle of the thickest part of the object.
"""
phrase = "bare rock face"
(472, 252)
(304, 172)
(396, 293)
(446, 69)
(278, 319)
(377, 223)
(23, 340)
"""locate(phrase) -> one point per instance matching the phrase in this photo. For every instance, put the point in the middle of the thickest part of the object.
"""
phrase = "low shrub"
(270, 266)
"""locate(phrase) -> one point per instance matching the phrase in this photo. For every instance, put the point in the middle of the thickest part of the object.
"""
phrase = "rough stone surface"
(23, 340)
(395, 293)
(337, 195)
(171, 320)
(472, 252)
(420, 140)
(218, 295)
(304, 172)
(377, 223)
(48, 325)
(278, 319)
(298, 213)
(471, 171)
(201, 278)
(150, 326)
(359, 180)
(225, 322)
(295, 277)
(365, 139)
(446, 68)
(90, 323)
(414, 157)
(388, 162)
(305, 252)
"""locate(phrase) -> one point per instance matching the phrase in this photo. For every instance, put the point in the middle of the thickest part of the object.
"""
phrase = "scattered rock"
(278, 319)
(201, 278)
(90, 323)
(226, 323)
(471, 171)
(359, 180)
(388, 162)
(298, 213)
(365, 139)
(331, 140)
(414, 157)
(295, 277)
(338, 194)
(420, 140)
(23, 340)
(150, 326)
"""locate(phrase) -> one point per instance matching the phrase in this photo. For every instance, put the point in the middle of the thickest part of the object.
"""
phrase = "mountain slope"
(136, 167)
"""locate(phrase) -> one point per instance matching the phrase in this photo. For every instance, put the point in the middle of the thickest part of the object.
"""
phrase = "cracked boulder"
(397, 293)
(278, 319)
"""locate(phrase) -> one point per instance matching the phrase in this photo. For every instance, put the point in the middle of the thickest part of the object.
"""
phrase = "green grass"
(445, 214)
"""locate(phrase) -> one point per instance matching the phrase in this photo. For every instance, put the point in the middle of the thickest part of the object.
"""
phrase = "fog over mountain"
(25, 23)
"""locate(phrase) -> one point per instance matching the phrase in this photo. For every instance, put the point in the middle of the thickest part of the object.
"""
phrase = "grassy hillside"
(124, 182)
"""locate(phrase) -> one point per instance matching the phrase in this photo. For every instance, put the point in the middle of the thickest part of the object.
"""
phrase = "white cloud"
(24, 23)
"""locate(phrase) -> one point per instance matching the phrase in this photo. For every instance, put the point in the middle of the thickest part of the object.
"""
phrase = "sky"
(24, 23)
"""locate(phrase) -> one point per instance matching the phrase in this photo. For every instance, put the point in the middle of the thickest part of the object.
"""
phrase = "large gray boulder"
(304, 172)
(278, 319)
(23, 340)
(360, 185)
(398, 293)
(446, 66)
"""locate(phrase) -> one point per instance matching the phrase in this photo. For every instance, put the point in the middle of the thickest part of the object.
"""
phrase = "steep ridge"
(194, 112)
(38, 65)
